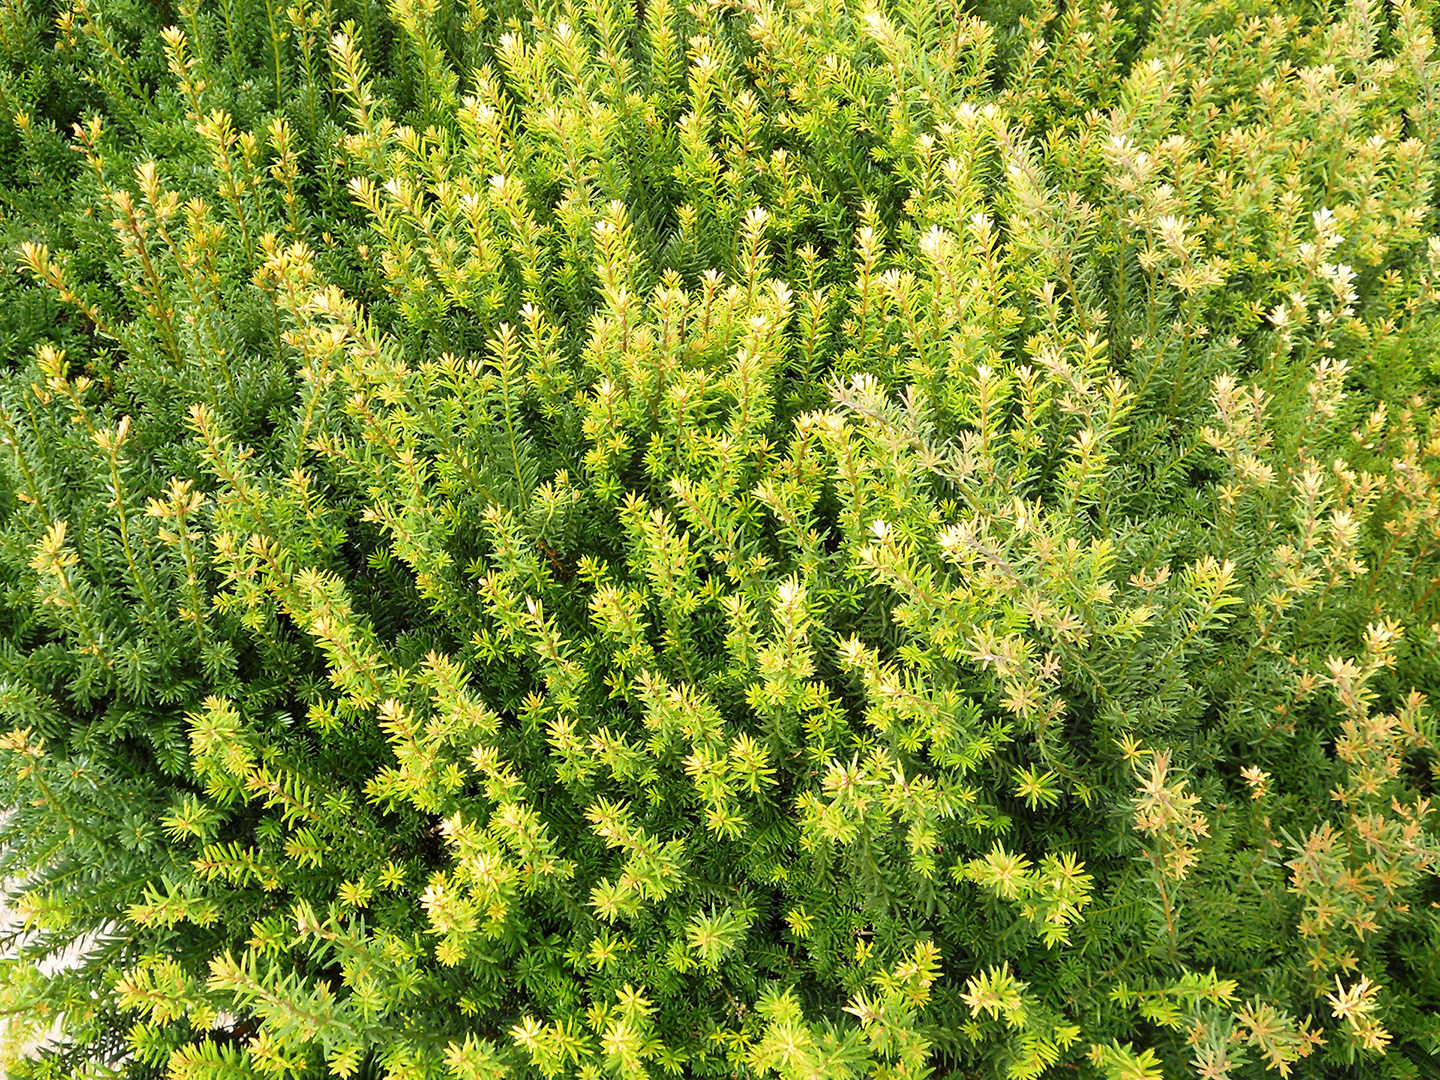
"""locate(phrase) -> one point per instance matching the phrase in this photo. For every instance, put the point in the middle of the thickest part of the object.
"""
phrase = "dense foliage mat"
(784, 537)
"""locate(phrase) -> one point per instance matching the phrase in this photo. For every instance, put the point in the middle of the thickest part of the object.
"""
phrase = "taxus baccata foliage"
(732, 540)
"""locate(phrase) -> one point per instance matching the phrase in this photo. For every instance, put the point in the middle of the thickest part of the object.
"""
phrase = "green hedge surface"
(797, 538)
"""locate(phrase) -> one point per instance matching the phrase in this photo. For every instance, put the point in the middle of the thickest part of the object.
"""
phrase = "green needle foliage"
(580, 539)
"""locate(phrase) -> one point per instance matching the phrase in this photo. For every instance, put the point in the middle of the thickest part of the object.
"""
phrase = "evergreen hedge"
(558, 539)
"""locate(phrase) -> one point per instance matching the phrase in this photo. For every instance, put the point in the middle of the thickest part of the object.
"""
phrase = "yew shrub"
(798, 538)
